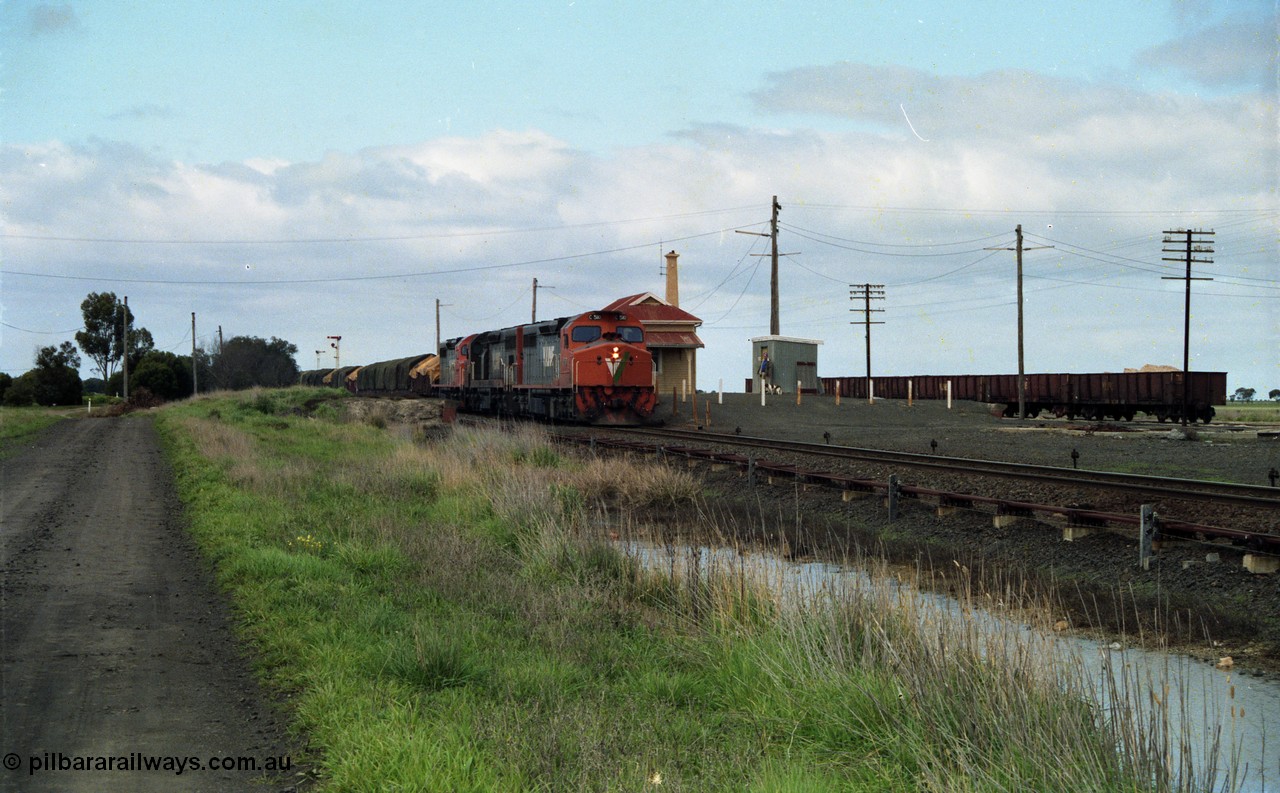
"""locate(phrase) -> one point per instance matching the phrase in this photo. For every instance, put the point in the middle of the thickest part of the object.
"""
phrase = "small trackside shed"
(782, 362)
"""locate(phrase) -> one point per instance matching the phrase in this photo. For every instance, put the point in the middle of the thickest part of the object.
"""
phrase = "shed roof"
(786, 339)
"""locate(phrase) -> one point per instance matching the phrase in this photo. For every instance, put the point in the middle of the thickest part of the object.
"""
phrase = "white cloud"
(45, 19)
(1235, 53)
(1003, 148)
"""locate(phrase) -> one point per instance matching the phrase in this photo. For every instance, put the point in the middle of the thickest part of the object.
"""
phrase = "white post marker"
(948, 395)
(871, 391)
(720, 398)
(908, 393)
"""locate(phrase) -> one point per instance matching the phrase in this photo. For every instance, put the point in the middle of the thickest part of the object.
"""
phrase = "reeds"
(491, 612)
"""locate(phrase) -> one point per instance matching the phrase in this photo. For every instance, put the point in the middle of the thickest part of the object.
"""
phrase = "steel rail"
(1262, 541)
(1168, 487)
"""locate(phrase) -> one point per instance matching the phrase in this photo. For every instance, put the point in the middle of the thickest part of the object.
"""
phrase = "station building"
(670, 333)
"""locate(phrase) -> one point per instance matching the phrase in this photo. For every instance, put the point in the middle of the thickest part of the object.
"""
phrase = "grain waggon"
(1092, 396)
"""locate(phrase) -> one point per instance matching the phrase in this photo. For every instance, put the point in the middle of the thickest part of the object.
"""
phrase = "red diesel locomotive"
(593, 368)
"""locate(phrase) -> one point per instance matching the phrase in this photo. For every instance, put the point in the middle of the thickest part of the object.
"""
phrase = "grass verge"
(443, 617)
(18, 424)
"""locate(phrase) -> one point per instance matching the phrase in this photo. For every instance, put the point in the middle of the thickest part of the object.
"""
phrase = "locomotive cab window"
(631, 333)
(583, 334)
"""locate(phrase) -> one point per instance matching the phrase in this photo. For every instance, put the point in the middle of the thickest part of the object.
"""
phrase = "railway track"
(1236, 496)
(1225, 493)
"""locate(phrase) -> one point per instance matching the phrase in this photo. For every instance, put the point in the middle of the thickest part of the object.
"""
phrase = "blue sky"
(208, 156)
(230, 80)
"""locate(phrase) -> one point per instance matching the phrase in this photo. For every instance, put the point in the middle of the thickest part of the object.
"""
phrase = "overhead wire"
(356, 239)
(43, 332)
(355, 278)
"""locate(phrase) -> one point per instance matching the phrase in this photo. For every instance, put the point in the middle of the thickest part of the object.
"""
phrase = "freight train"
(1094, 396)
(592, 368)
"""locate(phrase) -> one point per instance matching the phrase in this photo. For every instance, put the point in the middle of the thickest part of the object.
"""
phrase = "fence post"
(893, 497)
(1146, 534)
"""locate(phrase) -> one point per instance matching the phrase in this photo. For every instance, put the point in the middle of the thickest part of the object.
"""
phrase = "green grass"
(19, 424)
(1249, 412)
(441, 618)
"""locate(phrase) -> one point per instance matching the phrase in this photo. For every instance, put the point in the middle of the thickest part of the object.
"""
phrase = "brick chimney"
(673, 280)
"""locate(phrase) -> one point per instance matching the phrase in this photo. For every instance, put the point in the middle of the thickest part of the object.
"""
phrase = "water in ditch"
(1219, 718)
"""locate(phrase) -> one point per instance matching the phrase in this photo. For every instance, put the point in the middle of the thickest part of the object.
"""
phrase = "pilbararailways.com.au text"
(51, 762)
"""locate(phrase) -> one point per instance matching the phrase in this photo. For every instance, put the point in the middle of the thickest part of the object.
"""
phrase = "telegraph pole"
(774, 326)
(1196, 242)
(536, 287)
(867, 292)
(125, 356)
(1022, 377)
(195, 370)
(440, 305)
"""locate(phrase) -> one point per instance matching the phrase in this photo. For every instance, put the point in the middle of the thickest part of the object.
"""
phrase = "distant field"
(18, 423)
(1249, 412)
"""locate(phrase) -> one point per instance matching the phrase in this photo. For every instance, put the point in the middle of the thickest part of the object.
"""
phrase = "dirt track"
(116, 648)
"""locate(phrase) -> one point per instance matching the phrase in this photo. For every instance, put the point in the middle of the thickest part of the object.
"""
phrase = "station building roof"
(665, 325)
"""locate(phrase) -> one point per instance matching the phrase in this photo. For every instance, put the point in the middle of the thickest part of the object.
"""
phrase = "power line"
(389, 238)
(352, 278)
(793, 230)
(1063, 212)
(42, 332)
(798, 229)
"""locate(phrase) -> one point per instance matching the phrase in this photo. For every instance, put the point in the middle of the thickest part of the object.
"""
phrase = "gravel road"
(116, 648)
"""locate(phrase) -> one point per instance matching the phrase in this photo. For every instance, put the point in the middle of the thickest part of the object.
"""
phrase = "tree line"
(241, 362)
(1247, 395)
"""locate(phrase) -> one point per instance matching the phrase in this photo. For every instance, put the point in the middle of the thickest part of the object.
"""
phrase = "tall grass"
(450, 616)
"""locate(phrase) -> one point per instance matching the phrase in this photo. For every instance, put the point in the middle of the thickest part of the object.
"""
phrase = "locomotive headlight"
(615, 354)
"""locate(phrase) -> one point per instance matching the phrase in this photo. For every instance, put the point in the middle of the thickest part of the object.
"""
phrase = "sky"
(311, 169)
